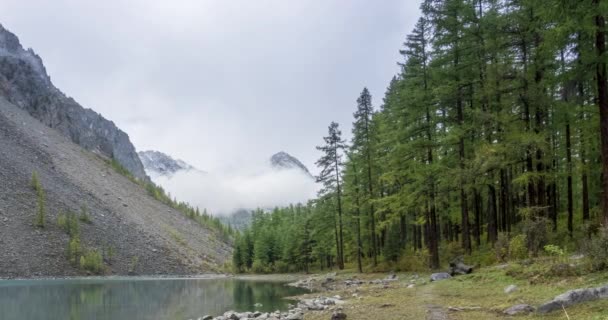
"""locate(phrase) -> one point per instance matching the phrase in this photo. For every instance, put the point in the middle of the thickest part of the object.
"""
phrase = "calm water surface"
(137, 298)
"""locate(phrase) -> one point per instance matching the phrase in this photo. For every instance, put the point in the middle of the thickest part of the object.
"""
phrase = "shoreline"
(125, 277)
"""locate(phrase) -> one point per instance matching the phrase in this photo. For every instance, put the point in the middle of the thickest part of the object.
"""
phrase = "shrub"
(517, 247)
(69, 223)
(281, 266)
(259, 267)
(40, 215)
(414, 261)
(596, 250)
(501, 247)
(454, 250)
(35, 182)
(74, 250)
(62, 220)
(554, 251)
(133, 264)
(84, 215)
(537, 233)
(92, 261)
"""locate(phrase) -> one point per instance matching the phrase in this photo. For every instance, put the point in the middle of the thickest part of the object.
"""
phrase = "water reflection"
(102, 299)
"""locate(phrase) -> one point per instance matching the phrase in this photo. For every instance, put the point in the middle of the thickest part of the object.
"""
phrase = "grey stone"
(519, 309)
(457, 267)
(295, 316)
(510, 289)
(338, 315)
(440, 276)
(573, 297)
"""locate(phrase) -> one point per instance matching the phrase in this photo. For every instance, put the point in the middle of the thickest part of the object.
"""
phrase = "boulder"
(338, 315)
(573, 297)
(519, 309)
(440, 276)
(391, 277)
(457, 267)
(295, 316)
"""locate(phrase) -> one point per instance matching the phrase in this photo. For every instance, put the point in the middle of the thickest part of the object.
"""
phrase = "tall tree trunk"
(339, 196)
(602, 102)
(569, 182)
(357, 204)
(477, 230)
(492, 215)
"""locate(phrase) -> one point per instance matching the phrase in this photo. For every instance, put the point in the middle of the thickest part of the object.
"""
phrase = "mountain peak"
(161, 164)
(283, 160)
(25, 83)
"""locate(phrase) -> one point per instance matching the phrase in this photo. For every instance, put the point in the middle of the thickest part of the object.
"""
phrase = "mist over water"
(225, 192)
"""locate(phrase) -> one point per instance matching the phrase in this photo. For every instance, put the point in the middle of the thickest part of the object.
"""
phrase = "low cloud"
(222, 193)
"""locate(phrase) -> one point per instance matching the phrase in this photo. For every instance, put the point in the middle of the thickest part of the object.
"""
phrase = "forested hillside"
(492, 142)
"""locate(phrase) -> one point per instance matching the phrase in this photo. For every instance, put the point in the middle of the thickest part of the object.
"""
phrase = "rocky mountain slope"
(70, 149)
(141, 230)
(283, 160)
(159, 164)
(25, 83)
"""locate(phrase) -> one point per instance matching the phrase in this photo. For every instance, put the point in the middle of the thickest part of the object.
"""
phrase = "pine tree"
(41, 212)
(363, 145)
(331, 166)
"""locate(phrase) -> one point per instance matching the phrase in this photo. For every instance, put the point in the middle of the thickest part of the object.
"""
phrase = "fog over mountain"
(218, 82)
(278, 181)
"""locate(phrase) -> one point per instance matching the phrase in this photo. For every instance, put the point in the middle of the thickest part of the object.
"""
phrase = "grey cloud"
(218, 82)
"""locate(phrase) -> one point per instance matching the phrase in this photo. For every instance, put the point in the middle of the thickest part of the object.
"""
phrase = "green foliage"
(517, 247)
(417, 261)
(74, 250)
(84, 215)
(35, 182)
(554, 250)
(133, 264)
(40, 200)
(157, 192)
(501, 247)
(69, 223)
(486, 144)
(41, 212)
(260, 267)
(92, 261)
(596, 250)
(537, 234)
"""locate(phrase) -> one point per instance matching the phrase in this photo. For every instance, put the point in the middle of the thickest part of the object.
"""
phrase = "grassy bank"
(480, 294)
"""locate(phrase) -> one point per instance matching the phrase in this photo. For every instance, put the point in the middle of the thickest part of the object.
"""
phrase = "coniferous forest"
(491, 143)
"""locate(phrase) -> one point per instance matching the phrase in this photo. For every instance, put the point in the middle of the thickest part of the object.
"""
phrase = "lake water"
(137, 298)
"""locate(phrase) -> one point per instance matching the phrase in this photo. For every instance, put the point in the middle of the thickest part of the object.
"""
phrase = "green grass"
(484, 288)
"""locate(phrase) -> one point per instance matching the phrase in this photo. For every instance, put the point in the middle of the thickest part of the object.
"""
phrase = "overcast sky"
(218, 83)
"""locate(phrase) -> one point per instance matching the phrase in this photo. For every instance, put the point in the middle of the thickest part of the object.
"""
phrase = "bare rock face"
(25, 83)
(284, 161)
(159, 164)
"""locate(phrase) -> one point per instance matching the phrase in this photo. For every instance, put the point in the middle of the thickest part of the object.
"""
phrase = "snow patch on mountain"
(159, 164)
(283, 181)
(284, 161)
